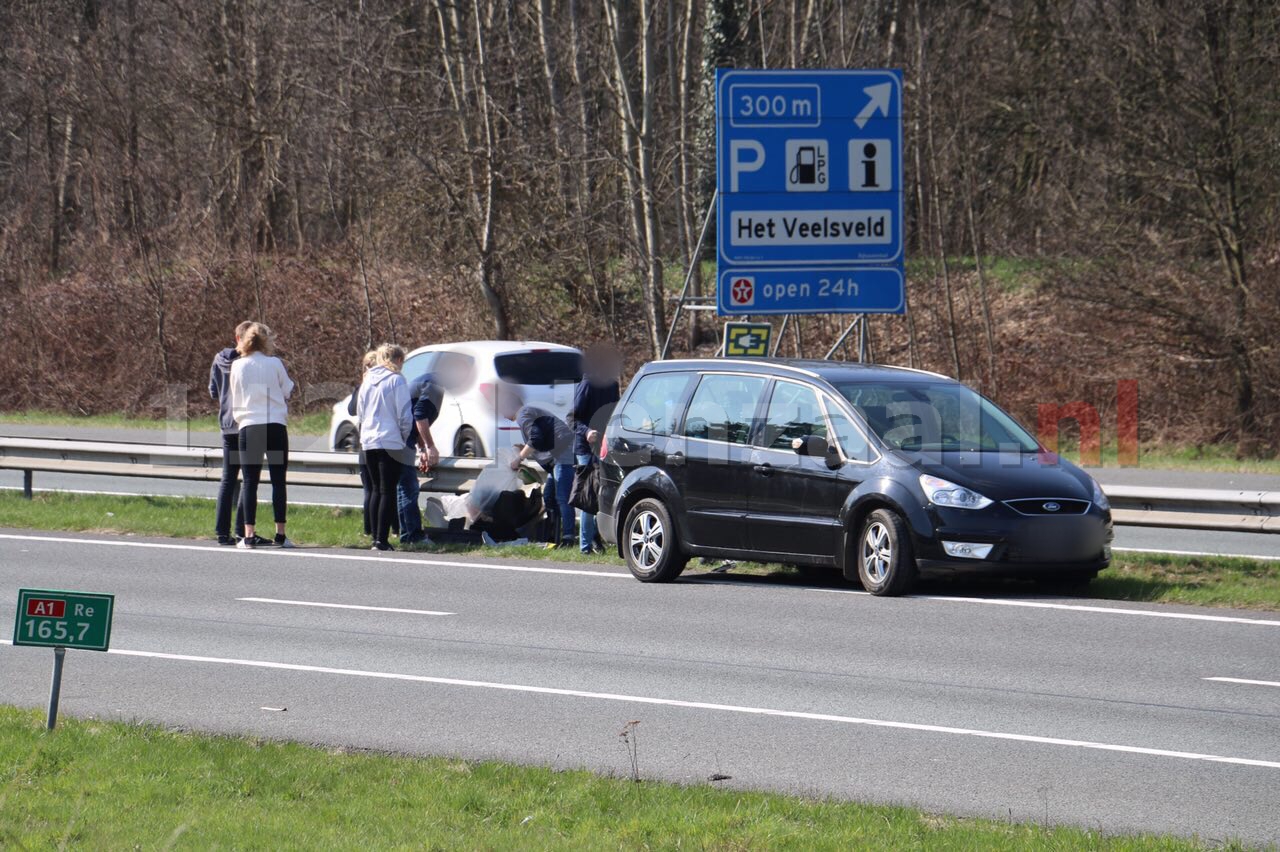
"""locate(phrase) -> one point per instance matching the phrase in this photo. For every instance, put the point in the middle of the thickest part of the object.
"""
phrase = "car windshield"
(937, 417)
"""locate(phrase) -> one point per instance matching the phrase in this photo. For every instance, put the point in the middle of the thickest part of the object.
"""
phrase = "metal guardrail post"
(26, 484)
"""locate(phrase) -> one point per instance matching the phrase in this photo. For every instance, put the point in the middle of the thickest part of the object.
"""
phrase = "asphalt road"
(1066, 710)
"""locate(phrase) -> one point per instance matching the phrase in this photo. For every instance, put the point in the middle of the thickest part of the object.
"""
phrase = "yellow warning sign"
(747, 339)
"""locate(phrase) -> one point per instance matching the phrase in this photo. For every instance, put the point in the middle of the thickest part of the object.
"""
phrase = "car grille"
(1048, 506)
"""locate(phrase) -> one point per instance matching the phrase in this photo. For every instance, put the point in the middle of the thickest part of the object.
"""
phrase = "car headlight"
(943, 493)
(1100, 499)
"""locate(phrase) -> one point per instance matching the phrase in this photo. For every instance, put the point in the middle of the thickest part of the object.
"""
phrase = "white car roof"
(492, 348)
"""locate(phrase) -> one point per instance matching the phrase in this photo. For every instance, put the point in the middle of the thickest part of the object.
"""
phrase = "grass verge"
(1197, 580)
(315, 423)
(101, 785)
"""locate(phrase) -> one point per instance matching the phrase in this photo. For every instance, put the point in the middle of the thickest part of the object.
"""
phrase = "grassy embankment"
(1209, 581)
(100, 785)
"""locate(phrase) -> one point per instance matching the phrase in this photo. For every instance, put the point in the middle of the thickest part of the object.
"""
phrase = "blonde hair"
(256, 338)
(242, 328)
(369, 360)
(390, 356)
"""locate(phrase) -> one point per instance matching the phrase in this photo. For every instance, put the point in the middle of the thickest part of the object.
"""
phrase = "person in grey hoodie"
(228, 488)
(386, 419)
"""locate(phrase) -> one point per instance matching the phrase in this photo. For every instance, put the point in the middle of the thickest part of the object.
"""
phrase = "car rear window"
(539, 368)
(652, 404)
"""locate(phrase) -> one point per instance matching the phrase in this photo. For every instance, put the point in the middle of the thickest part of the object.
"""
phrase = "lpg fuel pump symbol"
(807, 165)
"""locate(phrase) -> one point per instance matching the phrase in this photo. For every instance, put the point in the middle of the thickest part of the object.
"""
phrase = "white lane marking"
(707, 705)
(1245, 681)
(1158, 551)
(347, 606)
(1109, 610)
(297, 554)
(1188, 616)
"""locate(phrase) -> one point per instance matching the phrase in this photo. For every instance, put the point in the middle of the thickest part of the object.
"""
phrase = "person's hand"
(592, 435)
(516, 461)
(433, 457)
(424, 461)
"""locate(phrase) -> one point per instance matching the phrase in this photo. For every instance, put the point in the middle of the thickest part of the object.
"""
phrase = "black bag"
(585, 494)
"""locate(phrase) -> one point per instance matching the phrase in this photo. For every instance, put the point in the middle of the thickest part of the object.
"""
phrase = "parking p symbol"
(738, 164)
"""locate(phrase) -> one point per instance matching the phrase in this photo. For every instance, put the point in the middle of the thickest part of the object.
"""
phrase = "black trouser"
(384, 473)
(229, 487)
(270, 440)
(366, 482)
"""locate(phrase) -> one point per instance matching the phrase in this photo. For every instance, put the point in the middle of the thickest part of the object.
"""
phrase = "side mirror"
(818, 448)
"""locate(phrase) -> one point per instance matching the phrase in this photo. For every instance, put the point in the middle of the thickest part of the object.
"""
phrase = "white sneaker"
(245, 544)
(287, 544)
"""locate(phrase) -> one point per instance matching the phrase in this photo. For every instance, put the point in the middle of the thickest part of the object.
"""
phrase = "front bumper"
(1021, 544)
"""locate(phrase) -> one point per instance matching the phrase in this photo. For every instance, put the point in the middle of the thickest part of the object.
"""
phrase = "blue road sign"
(809, 171)
(812, 290)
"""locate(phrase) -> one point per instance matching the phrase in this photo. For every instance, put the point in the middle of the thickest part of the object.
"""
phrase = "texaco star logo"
(743, 291)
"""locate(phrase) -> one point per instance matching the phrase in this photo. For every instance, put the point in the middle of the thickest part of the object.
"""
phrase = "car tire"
(466, 444)
(348, 440)
(886, 565)
(649, 543)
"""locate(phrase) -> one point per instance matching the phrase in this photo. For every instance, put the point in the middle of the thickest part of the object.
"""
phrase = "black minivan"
(883, 473)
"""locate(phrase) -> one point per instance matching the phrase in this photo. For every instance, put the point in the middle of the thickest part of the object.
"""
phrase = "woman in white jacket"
(260, 390)
(385, 412)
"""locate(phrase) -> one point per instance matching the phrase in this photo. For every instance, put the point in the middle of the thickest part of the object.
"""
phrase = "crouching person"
(548, 440)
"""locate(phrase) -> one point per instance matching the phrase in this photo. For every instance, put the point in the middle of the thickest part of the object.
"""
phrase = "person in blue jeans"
(549, 440)
(229, 487)
(427, 396)
(593, 403)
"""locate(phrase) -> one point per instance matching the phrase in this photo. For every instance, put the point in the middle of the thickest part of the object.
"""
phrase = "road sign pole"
(862, 339)
(694, 259)
(55, 688)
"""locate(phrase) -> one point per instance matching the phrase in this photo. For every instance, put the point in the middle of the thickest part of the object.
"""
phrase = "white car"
(545, 373)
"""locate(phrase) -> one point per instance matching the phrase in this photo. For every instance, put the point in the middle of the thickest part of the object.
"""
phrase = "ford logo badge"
(1052, 507)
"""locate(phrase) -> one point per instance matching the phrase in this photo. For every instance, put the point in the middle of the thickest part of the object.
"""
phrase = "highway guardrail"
(1181, 508)
(160, 461)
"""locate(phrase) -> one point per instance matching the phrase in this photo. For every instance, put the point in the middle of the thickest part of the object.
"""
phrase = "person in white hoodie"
(260, 390)
(385, 412)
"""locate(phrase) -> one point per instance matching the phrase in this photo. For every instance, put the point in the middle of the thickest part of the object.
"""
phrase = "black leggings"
(270, 440)
(384, 473)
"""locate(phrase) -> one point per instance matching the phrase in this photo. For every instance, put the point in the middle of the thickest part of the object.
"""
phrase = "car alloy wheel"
(649, 543)
(885, 563)
(646, 540)
(877, 551)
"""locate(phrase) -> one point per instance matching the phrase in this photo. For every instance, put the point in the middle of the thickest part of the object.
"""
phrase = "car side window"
(418, 366)
(793, 413)
(851, 440)
(652, 406)
(723, 408)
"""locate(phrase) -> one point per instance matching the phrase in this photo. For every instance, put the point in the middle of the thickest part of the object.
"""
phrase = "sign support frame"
(55, 687)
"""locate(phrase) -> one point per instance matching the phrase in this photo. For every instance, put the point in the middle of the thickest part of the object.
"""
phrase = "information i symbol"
(870, 165)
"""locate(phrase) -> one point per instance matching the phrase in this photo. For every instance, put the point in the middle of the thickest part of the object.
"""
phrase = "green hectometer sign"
(68, 619)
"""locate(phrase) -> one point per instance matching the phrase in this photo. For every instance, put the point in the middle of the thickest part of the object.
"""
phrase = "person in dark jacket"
(549, 441)
(593, 403)
(229, 487)
(427, 397)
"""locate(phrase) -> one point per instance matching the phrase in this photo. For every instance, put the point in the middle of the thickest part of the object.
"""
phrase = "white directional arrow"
(879, 102)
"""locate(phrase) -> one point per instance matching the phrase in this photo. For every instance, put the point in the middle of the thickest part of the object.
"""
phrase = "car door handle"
(764, 469)
(675, 459)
